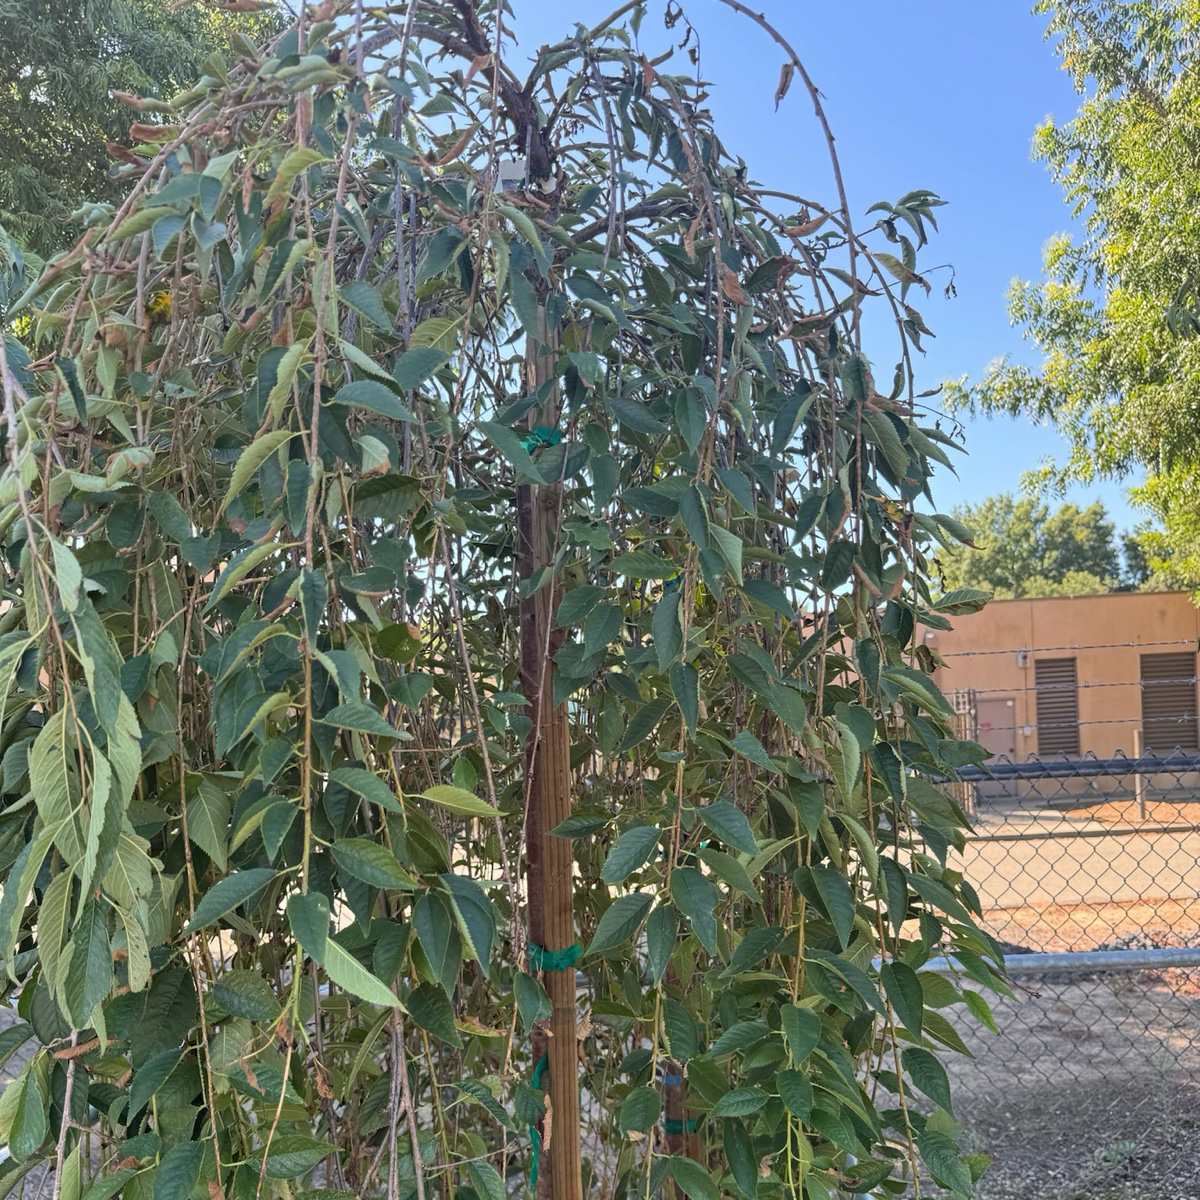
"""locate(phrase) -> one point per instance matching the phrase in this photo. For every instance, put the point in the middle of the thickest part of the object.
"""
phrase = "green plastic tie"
(676, 1125)
(535, 1136)
(541, 959)
(543, 435)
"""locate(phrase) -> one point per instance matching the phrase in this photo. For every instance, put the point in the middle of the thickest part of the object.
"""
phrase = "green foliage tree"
(1020, 548)
(1116, 310)
(415, 588)
(61, 64)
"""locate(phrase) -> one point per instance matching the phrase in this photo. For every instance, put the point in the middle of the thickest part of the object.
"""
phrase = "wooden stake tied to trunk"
(549, 860)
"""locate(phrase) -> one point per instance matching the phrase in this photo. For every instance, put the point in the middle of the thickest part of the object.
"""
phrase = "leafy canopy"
(1116, 310)
(1020, 549)
(62, 64)
(319, 426)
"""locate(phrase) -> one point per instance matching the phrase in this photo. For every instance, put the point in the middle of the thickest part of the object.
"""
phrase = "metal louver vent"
(1169, 702)
(1057, 706)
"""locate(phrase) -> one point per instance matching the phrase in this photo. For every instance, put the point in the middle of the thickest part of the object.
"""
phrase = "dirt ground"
(1091, 1090)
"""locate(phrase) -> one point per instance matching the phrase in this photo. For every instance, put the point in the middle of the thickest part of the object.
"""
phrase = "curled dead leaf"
(785, 81)
(139, 131)
(731, 286)
(807, 227)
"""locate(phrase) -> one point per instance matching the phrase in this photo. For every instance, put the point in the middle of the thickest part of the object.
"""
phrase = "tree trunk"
(549, 860)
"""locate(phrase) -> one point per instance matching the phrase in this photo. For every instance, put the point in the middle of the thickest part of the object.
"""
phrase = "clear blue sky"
(944, 94)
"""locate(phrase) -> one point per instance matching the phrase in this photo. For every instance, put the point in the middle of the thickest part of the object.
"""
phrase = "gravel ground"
(1091, 1091)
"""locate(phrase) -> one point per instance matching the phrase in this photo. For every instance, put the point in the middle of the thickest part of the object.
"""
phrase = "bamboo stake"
(549, 860)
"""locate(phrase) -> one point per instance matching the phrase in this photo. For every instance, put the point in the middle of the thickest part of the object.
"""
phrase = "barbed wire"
(1070, 687)
(1193, 642)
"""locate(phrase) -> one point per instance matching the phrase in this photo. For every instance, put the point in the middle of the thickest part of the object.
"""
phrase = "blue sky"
(944, 94)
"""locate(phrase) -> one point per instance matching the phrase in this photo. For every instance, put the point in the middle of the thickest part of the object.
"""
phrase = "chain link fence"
(1088, 872)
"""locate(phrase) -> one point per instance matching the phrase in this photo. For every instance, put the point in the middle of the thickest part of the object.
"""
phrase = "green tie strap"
(543, 435)
(676, 1125)
(541, 959)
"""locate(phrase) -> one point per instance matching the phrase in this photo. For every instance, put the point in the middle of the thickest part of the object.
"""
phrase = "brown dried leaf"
(807, 227)
(730, 284)
(689, 238)
(477, 64)
(139, 131)
(785, 81)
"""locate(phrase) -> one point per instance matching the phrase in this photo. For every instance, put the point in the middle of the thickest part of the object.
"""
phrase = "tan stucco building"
(1103, 674)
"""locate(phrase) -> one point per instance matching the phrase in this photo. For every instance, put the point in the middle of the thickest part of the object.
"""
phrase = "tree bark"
(549, 860)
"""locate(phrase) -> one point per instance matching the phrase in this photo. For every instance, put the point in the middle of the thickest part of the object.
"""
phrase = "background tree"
(1116, 310)
(60, 65)
(413, 589)
(1022, 549)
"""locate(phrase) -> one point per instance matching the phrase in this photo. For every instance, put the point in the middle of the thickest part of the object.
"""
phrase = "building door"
(997, 717)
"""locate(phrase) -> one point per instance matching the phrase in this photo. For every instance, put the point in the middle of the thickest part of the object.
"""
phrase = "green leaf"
(748, 746)
(729, 823)
(29, 1126)
(757, 946)
(696, 897)
(12, 1039)
(368, 785)
(372, 863)
(415, 366)
(178, 1171)
(532, 1002)
(459, 800)
(348, 973)
(796, 1092)
(620, 921)
(375, 397)
(692, 1178)
(639, 1110)
(246, 994)
(630, 851)
(251, 459)
(903, 990)
(836, 899)
(151, 1075)
(577, 603)
(431, 1009)
(801, 1030)
(643, 723)
(739, 1154)
(738, 1037)
(730, 547)
(364, 298)
(298, 159)
(581, 825)
(662, 931)
(487, 1181)
(685, 686)
(360, 716)
(510, 446)
(290, 1155)
(229, 893)
(740, 1102)
(602, 625)
(526, 228)
(928, 1074)
(683, 1035)
(89, 977)
(666, 631)
(474, 913)
(941, 1157)
(642, 564)
(308, 915)
(208, 821)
